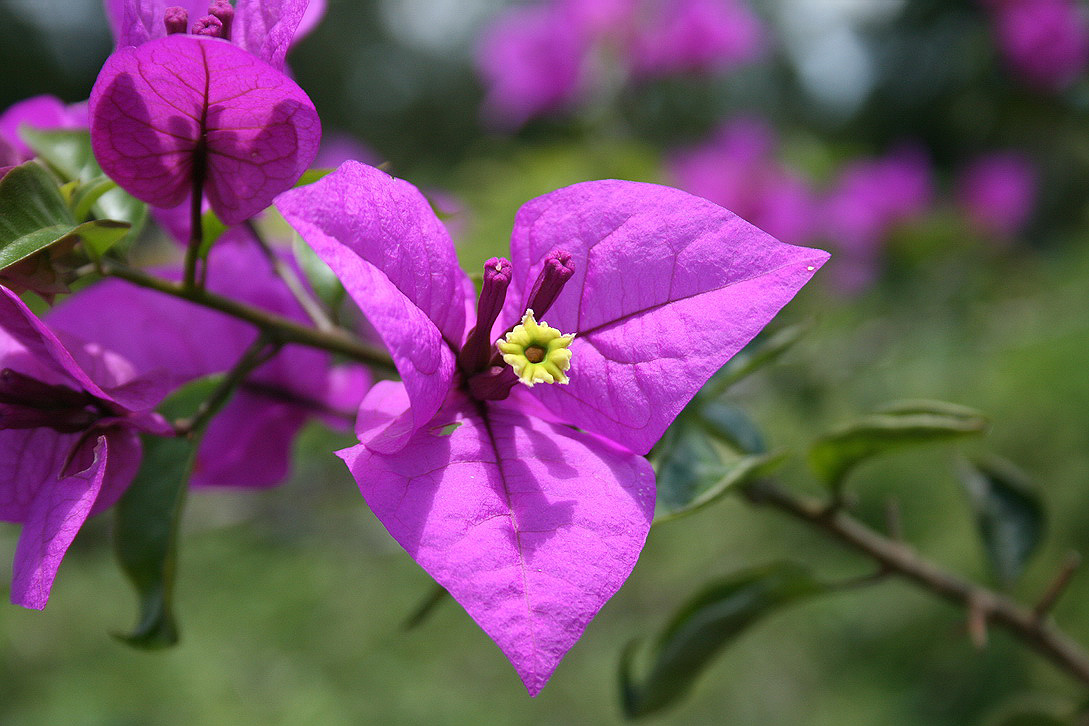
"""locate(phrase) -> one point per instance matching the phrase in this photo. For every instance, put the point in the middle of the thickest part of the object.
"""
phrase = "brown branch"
(984, 605)
(1058, 585)
(278, 328)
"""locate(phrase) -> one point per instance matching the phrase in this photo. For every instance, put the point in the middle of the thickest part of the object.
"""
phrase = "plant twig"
(280, 329)
(257, 353)
(1058, 585)
(984, 605)
(312, 307)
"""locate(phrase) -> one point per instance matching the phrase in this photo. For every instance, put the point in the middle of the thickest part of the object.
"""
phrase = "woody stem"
(894, 557)
(280, 329)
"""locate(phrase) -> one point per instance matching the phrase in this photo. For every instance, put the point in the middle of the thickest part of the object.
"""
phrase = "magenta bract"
(69, 417)
(529, 522)
(183, 109)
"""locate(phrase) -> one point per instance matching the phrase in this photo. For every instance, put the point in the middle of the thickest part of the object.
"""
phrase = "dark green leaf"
(687, 464)
(27, 245)
(733, 426)
(147, 518)
(762, 351)
(33, 214)
(30, 201)
(704, 626)
(916, 422)
(693, 471)
(1008, 513)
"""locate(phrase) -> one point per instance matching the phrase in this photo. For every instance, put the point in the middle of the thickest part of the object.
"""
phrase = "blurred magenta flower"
(868, 200)
(539, 58)
(338, 148)
(1045, 42)
(686, 36)
(186, 112)
(249, 443)
(737, 169)
(530, 504)
(265, 28)
(531, 60)
(42, 113)
(997, 193)
(69, 417)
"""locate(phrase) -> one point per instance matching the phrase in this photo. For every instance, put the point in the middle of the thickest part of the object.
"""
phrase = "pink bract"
(183, 107)
(69, 416)
(531, 509)
(265, 28)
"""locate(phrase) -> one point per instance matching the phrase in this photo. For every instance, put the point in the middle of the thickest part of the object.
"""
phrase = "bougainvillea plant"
(520, 432)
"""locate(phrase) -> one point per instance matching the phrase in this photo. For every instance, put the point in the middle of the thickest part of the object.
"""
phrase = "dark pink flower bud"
(176, 20)
(558, 269)
(224, 11)
(209, 26)
(478, 346)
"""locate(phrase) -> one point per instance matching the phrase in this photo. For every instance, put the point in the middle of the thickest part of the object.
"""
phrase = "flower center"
(537, 352)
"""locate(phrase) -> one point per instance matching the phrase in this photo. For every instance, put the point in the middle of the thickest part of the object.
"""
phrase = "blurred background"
(938, 148)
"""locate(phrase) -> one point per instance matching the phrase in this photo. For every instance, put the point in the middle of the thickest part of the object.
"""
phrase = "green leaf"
(147, 518)
(211, 229)
(27, 245)
(911, 423)
(704, 626)
(732, 426)
(99, 235)
(312, 175)
(321, 278)
(762, 351)
(694, 471)
(87, 193)
(68, 152)
(33, 214)
(30, 201)
(1008, 513)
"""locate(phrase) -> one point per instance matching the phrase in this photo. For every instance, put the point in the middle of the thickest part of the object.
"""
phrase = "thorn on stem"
(1058, 585)
(978, 610)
